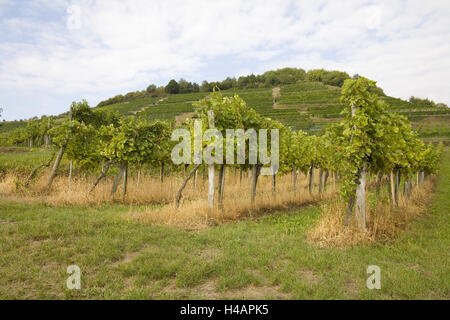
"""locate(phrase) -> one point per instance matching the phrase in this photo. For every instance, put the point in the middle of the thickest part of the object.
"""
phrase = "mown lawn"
(264, 258)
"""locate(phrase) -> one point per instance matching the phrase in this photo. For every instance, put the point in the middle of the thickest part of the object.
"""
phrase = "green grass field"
(8, 126)
(261, 258)
(23, 159)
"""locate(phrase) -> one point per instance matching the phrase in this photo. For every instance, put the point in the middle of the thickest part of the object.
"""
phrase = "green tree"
(422, 102)
(315, 75)
(283, 76)
(195, 87)
(228, 83)
(151, 88)
(334, 78)
(271, 79)
(172, 87)
(205, 87)
(185, 86)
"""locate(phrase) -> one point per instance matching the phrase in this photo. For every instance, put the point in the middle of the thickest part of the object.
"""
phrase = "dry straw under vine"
(194, 212)
(384, 221)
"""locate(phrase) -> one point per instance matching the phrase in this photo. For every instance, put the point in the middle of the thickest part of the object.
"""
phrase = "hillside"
(308, 104)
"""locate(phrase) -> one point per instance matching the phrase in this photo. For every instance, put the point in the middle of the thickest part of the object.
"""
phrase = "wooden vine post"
(360, 204)
(311, 178)
(69, 179)
(221, 184)
(294, 179)
(211, 170)
(58, 158)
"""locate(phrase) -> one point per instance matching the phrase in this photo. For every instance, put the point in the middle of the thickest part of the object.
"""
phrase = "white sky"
(54, 52)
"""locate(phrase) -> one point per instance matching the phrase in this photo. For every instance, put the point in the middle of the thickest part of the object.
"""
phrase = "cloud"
(59, 51)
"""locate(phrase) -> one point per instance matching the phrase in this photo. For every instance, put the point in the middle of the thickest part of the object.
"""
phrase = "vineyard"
(128, 141)
(356, 168)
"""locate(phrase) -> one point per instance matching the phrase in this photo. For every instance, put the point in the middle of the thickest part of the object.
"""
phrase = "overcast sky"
(55, 52)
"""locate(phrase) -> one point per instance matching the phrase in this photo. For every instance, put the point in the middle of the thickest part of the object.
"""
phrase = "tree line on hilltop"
(266, 80)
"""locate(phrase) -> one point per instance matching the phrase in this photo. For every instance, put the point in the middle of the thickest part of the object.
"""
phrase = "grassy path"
(266, 258)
